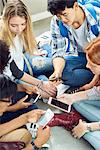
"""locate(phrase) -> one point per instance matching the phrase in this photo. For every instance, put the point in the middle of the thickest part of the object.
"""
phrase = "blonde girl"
(16, 31)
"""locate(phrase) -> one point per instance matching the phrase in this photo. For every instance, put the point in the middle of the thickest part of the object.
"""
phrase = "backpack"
(89, 6)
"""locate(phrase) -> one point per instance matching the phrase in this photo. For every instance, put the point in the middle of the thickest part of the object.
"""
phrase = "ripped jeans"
(75, 73)
(40, 65)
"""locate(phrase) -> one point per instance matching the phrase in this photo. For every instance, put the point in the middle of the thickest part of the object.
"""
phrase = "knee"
(25, 136)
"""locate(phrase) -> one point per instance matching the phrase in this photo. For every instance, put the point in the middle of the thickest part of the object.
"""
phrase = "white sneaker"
(32, 128)
(62, 88)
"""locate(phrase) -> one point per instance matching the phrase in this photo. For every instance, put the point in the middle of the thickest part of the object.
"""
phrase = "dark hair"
(4, 55)
(7, 87)
(56, 6)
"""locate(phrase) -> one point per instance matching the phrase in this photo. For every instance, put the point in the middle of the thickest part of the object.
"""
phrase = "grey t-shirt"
(94, 93)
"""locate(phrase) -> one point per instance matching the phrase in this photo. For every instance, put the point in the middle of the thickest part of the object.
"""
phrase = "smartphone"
(60, 105)
(32, 98)
(44, 120)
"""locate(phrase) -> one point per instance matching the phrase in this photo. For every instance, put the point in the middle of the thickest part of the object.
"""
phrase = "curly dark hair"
(4, 55)
(56, 6)
(8, 88)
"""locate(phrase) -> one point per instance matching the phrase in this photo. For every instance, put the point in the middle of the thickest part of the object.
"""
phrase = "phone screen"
(43, 121)
(59, 104)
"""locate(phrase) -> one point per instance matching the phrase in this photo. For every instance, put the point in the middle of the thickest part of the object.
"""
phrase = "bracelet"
(39, 86)
(89, 127)
(35, 147)
(99, 123)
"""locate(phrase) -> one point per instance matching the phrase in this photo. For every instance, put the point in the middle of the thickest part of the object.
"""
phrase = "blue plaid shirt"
(59, 43)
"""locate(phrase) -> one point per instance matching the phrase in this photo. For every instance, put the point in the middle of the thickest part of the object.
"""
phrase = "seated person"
(13, 130)
(20, 106)
(22, 65)
(87, 102)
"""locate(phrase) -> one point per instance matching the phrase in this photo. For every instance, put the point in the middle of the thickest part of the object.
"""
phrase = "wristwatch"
(35, 147)
(89, 127)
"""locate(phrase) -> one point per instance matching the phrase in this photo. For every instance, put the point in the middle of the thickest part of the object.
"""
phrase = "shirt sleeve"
(58, 43)
(16, 72)
(94, 93)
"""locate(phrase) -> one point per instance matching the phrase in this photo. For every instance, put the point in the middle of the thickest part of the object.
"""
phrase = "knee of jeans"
(26, 137)
(39, 62)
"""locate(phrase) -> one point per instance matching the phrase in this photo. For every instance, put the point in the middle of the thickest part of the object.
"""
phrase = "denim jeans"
(75, 73)
(90, 109)
(40, 65)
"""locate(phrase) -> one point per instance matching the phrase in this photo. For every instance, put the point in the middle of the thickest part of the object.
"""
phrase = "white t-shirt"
(80, 34)
(16, 55)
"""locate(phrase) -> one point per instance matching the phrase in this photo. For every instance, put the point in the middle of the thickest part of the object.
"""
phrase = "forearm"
(94, 126)
(80, 96)
(31, 80)
(12, 125)
(56, 61)
(13, 108)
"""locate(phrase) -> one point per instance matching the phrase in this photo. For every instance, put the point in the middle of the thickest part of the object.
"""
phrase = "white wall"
(36, 6)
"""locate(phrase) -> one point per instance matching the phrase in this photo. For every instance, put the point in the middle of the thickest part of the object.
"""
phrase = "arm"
(47, 88)
(19, 105)
(83, 127)
(58, 47)
(91, 94)
(42, 136)
(12, 125)
(17, 73)
(31, 116)
(58, 69)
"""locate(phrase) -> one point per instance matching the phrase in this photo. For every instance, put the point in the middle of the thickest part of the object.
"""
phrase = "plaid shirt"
(59, 43)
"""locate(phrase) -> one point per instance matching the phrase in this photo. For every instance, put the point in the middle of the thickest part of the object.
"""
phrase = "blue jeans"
(90, 109)
(7, 116)
(40, 65)
(75, 72)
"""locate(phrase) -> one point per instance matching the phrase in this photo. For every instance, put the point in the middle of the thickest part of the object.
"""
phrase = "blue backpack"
(89, 5)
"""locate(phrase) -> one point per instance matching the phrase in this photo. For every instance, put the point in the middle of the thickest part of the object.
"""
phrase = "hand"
(56, 76)
(34, 115)
(47, 89)
(3, 107)
(26, 88)
(66, 98)
(22, 104)
(42, 136)
(80, 129)
(86, 87)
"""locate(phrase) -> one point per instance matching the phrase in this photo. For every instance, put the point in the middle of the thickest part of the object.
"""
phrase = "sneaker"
(72, 90)
(61, 88)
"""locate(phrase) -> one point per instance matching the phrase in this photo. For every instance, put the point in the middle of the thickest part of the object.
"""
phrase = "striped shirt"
(59, 43)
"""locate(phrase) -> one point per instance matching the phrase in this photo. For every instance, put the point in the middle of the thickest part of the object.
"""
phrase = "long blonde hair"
(18, 8)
